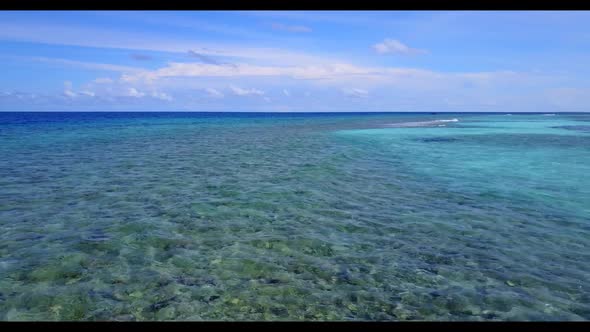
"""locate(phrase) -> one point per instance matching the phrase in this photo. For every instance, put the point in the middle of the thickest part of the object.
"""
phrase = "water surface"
(197, 216)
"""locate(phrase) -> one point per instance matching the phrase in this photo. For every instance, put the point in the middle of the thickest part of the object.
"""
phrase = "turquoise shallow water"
(192, 216)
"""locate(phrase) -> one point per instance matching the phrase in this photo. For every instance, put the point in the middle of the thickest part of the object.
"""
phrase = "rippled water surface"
(193, 216)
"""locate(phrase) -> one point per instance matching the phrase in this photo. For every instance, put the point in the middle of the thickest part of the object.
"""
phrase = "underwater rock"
(104, 294)
(431, 269)
(166, 313)
(581, 310)
(487, 314)
(351, 307)
(136, 294)
(344, 276)
(437, 139)
(435, 294)
(28, 237)
(456, 304)
(577, 128)
(213, 298)
(161, 304)
(124, 318)
(96, 235)
(279, 311)
(187, 281)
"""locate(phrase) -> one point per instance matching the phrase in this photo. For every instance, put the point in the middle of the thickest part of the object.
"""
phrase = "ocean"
(283, 216)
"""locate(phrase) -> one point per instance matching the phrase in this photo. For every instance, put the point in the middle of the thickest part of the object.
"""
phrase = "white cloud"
(392, 46)
(68, 92)
(22, 96)
(132, 92)
(88, 93)
(315, 72)
(327, 73)
(161, 95)
(291, 28)
(355, 93)
(349, 80)
(245, 92)
(214, 93)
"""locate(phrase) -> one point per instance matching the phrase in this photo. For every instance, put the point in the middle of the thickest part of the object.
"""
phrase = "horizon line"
(290, 112)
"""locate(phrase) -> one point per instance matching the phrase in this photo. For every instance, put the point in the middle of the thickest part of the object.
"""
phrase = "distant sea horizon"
(289, 112)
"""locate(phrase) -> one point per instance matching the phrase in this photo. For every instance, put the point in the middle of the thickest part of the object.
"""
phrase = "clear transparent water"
(176, 216)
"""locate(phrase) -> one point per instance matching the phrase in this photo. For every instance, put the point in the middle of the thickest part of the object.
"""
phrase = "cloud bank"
(393, 46)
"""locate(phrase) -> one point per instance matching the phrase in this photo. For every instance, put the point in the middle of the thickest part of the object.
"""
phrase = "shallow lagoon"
(176, 216)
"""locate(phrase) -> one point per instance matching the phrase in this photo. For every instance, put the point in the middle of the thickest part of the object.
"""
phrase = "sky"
(295, 61)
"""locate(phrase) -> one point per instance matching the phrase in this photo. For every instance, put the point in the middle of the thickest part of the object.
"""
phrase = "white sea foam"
(549, 114)
(422, 123)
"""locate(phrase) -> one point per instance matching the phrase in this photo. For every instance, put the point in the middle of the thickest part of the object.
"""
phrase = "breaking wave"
(439, 123)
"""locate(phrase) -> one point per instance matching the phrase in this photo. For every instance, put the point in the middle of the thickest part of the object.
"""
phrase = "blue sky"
(295, 61)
